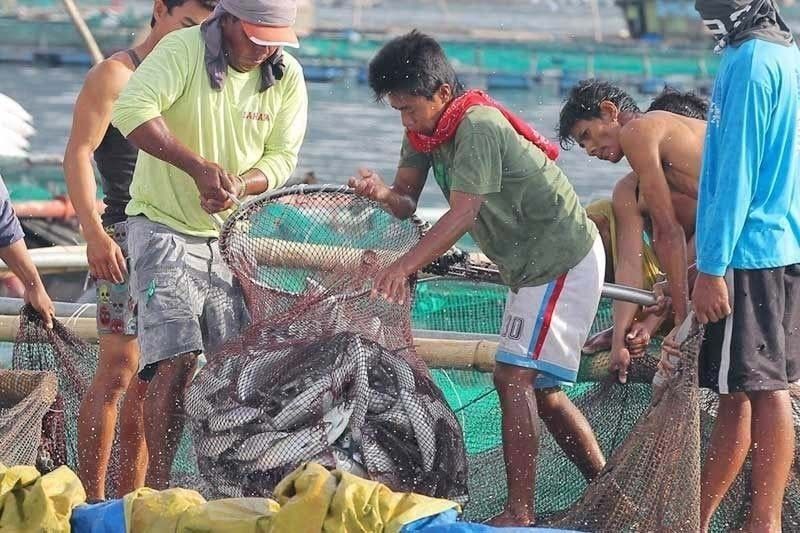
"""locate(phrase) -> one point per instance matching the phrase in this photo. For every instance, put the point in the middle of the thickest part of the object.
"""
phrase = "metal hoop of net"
(324, 372)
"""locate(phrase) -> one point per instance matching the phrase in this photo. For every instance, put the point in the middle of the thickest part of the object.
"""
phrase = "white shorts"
(545, 327)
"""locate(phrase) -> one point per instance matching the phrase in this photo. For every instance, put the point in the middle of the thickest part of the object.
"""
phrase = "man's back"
(752, 127)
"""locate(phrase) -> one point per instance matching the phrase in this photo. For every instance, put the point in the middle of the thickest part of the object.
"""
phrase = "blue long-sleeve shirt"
(748, 210)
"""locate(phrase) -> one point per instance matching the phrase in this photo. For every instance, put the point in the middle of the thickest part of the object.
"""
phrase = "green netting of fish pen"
(471, 307)
(456, 305)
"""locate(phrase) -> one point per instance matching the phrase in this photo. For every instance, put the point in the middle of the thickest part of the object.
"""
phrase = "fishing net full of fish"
(324, 372)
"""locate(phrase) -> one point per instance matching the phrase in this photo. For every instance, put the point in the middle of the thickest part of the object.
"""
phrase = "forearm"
(254, 182)
(403, 206)
(276, 167)
(155, 138)
(630, 275)
(82, 190)
(670, 248)
(441, 237)
(18, 259)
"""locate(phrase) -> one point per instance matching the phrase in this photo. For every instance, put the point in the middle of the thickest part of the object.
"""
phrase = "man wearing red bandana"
(504, 188)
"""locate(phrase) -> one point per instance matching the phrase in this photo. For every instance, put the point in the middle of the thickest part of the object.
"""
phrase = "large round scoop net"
(324, 372)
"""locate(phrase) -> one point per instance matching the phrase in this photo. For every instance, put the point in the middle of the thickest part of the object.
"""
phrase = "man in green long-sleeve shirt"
(216, 111)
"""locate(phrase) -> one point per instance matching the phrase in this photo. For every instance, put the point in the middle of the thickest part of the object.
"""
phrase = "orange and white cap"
(270, 23)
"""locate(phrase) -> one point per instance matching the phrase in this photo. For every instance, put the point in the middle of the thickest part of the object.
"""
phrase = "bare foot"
(599, 342)
(507, 519)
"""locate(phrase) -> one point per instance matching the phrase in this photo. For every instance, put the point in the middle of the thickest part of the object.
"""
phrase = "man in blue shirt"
(748, 254)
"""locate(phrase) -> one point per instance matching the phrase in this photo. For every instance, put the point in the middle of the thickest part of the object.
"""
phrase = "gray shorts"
(187, 298)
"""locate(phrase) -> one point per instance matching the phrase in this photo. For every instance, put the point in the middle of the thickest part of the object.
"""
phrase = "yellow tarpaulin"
(30, 502)
(311, 499)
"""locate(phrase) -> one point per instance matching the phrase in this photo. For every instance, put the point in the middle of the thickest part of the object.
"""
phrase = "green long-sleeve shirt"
(237, 128)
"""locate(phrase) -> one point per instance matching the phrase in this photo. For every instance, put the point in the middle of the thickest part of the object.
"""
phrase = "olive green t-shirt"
(531, 223)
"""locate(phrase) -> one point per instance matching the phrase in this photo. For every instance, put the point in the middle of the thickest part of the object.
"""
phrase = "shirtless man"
(625, 226)
(93, 136)
(665, 153)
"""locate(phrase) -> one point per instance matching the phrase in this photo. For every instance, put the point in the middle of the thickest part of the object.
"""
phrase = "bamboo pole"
(83, 30)
(452, 354)
(85, 328)
(56, 259)
(437, 353)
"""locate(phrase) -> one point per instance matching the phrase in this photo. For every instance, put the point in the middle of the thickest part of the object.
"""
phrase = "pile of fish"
(345, 402)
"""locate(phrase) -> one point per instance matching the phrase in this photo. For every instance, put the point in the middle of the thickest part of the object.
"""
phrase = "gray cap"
(266, 22)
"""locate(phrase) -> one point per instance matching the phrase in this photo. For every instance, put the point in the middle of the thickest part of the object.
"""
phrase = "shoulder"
(759, 62)
(644, 129)
(482, 122)
(109, 77)
(187, 41)
(483, 119)
(623, 197)
(291, 64)
(626, 184)
(292, 73)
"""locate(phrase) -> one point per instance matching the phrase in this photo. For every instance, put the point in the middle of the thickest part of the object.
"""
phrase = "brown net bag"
(61, 351)
(25, 398)
(324, 372)
(652, 480)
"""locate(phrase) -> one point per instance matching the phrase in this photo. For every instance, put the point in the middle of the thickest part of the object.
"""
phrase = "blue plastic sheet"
(441, 519)
(466, 527)
(105, 517)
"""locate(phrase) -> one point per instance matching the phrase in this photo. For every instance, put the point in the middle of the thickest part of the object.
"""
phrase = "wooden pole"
(83, 30)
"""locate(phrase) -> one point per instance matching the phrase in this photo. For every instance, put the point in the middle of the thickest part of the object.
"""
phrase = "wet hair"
(583, 103)
(171, 4)
(687, 104)
(413, 63)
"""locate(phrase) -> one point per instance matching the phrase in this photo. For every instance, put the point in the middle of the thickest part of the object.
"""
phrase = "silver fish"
(256, 373)
(347, 464)
(424, 432)
(215, 445)
(232, 418)
(257, 445)
(229, 368)
(336, 421)
(303, 405)
(208, 384)
(373, 328)
(341, 376)
(295, 448)
(397, 416)
(375, 457)
(195, 403)
(379, 402)
(401, 371)
(359, 394)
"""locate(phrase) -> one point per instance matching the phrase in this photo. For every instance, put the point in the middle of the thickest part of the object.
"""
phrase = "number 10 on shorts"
(512, 327)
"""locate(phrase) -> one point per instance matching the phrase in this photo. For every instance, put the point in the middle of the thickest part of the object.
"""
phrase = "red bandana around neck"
(454, 114)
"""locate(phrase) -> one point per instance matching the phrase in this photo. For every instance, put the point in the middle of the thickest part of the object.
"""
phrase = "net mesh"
(324, 372)
(73, 361)
(25, 398)
(439, 304)
(652, 480)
